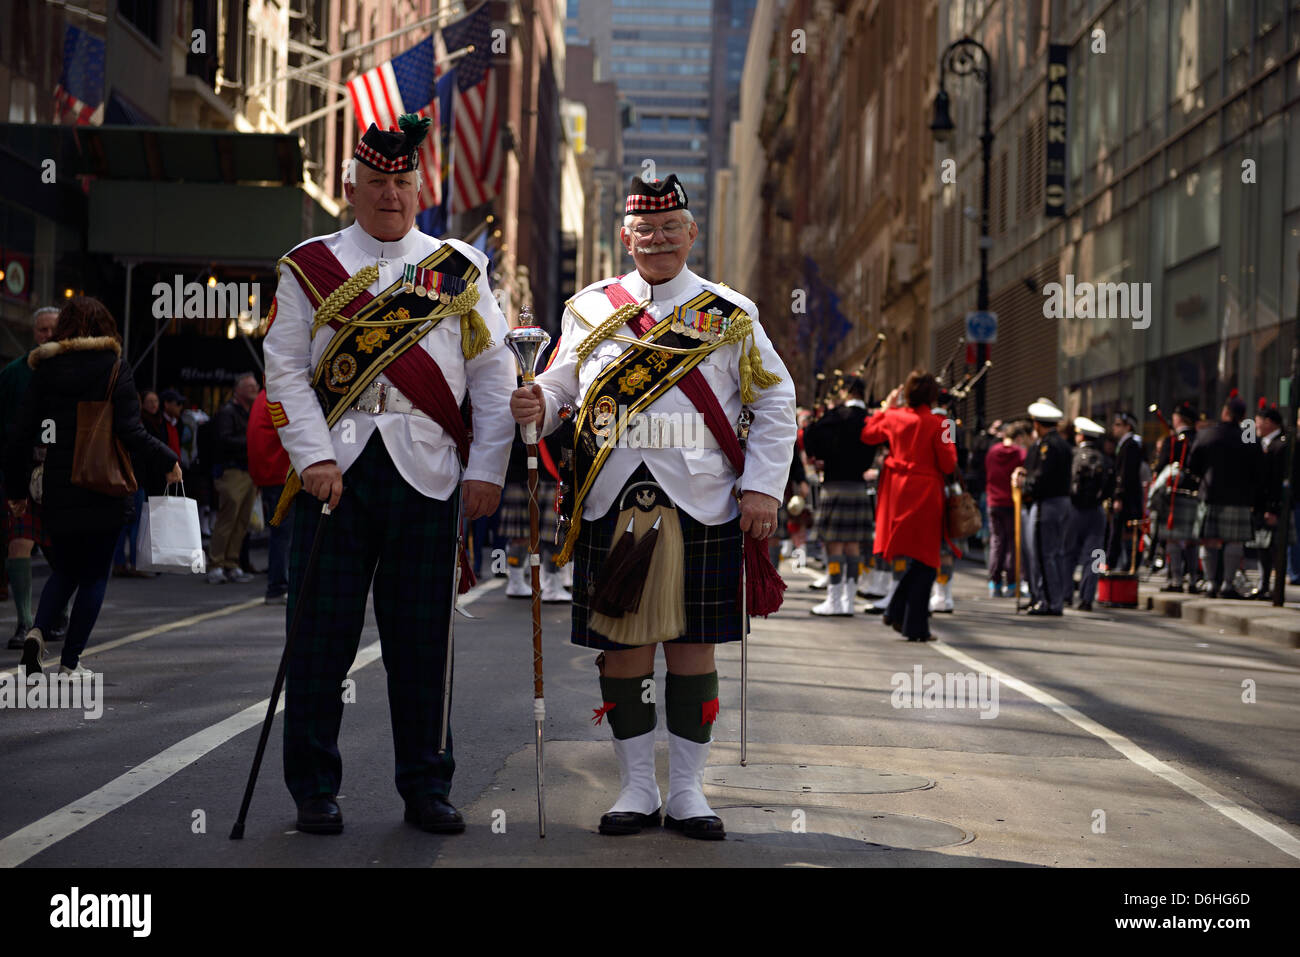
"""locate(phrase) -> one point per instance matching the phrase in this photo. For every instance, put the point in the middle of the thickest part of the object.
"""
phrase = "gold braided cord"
(344, 294)
(619, 317)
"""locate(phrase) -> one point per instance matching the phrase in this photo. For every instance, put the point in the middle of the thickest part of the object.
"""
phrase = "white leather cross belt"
(379, 397)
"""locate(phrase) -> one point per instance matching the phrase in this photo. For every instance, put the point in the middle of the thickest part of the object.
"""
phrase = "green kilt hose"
(712, 574)
(382, 530)
(844, 513)
(1231, 523)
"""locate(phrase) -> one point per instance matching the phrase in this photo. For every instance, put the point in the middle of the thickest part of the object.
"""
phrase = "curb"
(1278, 626)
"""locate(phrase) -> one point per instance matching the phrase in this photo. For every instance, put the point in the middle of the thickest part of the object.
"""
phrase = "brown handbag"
(100, 462)
(961, 516)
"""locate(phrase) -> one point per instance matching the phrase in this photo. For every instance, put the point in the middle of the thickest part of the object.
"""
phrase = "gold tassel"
(292, 486)
(662, 613)
(474, 335)
(762, 378)
(746, 379)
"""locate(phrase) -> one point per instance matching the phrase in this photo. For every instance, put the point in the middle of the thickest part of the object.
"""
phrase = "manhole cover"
(813, 779)
(836, 829)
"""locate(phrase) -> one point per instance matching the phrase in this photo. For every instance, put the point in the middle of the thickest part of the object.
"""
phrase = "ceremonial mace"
(527, 343)
(746, 420)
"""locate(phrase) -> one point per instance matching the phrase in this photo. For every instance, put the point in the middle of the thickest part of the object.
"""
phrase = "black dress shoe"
(1044, 610)
(873, 610)
(1227, 591)
(627, 822)
(707, 828)
(19, 638)
(1087, 605)
(1177, 589)
(434, 813)
(320, 815)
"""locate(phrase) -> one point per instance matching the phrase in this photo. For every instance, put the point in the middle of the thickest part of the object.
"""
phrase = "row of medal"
(428, 282)
(699, 325)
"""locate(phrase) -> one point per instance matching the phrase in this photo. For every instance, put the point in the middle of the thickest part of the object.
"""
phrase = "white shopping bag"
(169, 539)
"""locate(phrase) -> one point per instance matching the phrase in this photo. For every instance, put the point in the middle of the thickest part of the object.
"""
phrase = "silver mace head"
(527, 342)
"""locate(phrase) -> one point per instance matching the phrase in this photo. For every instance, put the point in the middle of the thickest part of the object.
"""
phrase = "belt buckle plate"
(377, 393)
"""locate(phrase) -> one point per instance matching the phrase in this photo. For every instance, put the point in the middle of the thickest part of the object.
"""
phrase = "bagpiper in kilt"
(1228, 466)
(1273, 442)
(378, 336)
(651, 516)
(844, 510)
(1175, 487)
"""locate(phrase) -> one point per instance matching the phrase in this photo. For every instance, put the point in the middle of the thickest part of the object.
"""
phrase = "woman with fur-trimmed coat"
(74, 367)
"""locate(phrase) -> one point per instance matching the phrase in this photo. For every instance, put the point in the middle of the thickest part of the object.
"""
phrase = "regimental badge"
(368, 340)
(632, 380)
(343, 369)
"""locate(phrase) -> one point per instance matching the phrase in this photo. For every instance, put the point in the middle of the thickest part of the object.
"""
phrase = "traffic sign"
(982, 327)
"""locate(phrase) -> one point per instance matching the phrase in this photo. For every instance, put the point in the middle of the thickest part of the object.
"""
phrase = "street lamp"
(964, 57)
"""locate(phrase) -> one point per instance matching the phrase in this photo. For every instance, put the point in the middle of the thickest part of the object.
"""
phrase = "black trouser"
(910, 606)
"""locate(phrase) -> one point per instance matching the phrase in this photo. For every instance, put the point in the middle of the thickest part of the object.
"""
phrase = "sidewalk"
(1255, 619)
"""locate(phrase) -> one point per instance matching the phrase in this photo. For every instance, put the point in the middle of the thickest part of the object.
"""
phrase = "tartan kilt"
(28, 525)
(1264, 534)
(513, 516)
(1184, 527)
(712, 577)
(844, 513)
(1231, 523)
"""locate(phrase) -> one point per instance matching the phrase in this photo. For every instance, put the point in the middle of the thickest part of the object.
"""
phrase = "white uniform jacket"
(423, 452)
(700, 481)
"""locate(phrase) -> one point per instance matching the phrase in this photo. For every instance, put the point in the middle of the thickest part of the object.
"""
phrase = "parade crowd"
(384, 337)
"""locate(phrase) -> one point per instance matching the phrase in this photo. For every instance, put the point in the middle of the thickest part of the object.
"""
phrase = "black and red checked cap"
(655, 196)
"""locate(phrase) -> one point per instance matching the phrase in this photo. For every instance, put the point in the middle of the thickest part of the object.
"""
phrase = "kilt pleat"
(1184, 527)
(712, 577)
(1231, 523)
(844, 513)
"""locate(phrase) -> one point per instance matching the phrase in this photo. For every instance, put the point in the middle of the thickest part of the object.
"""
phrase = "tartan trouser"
(384, 530)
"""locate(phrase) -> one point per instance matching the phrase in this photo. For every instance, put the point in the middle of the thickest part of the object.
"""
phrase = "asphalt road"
(1118, 739)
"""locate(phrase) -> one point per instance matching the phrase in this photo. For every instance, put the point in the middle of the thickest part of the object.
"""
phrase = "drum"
(1117, 590)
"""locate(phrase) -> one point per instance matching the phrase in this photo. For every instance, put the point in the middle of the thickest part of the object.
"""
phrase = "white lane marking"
(1283, 840)
(160, 629)
(29, 841)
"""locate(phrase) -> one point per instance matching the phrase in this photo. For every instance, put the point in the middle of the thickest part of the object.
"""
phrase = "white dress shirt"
(699, 480)
(425, 455)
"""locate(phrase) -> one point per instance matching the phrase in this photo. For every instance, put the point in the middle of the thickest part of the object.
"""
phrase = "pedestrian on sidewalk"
(77, 366)
(24, 532)
(1127, 496)
(124, 557)
(1229, 467)
(234, 487)
(910, 506)
(268, 466)
(1001, 460)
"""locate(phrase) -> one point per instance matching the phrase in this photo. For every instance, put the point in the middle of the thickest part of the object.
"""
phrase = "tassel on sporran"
(639, 596)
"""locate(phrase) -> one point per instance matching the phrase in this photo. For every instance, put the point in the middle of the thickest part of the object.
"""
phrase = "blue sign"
(982, 327)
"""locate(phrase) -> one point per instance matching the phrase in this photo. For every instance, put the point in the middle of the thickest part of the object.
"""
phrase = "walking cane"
(746, 419)
(451, 621)
(304, 590)
(526, 342)
(1015, 503)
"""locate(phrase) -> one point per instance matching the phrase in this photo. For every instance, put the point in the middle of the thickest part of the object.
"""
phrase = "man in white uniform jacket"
(662, 474)
(384, 449)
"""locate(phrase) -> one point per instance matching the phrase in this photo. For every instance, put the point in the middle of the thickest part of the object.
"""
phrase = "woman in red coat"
(909, 513)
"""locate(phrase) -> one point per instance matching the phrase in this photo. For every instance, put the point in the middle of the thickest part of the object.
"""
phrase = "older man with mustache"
(645, 362)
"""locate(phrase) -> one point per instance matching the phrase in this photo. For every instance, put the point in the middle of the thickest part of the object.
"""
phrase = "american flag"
(477, 162)
(404, 84)
(80, 91)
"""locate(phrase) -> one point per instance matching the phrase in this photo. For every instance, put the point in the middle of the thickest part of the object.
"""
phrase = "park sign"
(1058, 58)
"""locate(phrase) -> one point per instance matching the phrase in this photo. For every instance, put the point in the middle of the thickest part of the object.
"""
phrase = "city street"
(1115, 739)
